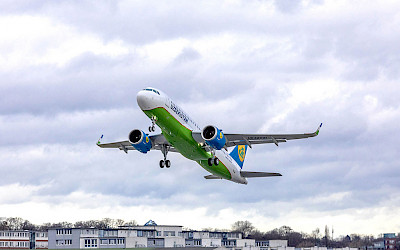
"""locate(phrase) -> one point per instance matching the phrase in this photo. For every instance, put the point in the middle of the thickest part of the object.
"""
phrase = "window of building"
(103, 242)
(90, 242)
(112, 241)
(68, 242)
(197, 242)
(121, 241)
(169, 233)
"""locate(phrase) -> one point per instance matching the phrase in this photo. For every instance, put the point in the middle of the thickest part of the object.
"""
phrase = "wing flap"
(249, 174)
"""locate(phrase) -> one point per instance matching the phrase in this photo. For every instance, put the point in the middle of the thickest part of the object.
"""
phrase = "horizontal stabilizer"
(212, 177)
(248, 174)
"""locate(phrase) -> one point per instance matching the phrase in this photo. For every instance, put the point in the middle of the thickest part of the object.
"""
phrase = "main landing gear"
(165, 163)
(212, 161)
(152, 128)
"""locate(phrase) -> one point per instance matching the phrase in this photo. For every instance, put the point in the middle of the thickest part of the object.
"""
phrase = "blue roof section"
(150, 223)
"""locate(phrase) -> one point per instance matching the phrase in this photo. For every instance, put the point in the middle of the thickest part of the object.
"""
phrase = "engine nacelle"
(140, 141)
(214, 137)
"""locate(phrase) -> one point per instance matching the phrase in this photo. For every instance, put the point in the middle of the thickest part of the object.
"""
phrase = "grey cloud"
(187, 55)
(287, 6)
(52, 116)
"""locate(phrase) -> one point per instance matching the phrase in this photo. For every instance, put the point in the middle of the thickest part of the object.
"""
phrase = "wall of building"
(40, 240)
(245, 243)
(23, 239)
(211, 242)
(67, 238)
(136, 242)
(174, 242)
(14, 239)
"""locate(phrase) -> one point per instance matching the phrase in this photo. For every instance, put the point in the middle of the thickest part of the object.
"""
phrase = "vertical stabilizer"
(238, 154)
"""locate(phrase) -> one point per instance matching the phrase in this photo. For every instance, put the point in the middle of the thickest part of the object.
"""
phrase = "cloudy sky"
(70, 71)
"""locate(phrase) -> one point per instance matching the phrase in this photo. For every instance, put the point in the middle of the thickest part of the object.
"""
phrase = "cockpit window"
(153, 90)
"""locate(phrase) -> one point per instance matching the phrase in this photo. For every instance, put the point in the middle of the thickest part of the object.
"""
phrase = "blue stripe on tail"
(238, 154)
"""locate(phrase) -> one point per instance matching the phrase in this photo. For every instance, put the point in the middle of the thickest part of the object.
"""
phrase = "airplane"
(207, 146)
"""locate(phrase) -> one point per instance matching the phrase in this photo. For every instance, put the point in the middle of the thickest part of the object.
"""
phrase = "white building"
(40, 240)
(17, 239)
(149, 235)
(201, 239)
(273, 245)
(228, 240)
(153, 235)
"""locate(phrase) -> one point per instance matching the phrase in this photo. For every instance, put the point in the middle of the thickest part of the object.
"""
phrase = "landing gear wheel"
(167, 164)
(162, 164)
(210, 162)
(216, 161)
(152, 128)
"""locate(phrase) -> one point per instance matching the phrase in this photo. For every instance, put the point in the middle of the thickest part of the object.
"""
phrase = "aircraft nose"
(144, 99)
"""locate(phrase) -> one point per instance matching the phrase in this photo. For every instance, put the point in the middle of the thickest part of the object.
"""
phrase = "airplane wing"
(157, 141)
(248, 174)
(249, 139)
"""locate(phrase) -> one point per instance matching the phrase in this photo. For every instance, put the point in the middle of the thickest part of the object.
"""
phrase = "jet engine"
(214, 137)
(140, 141)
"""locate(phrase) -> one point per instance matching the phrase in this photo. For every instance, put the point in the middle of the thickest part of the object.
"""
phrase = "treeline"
(301, 239)
(15, 223)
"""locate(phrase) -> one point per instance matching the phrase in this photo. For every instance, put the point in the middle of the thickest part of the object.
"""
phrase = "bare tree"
(315, 235)
(14, 223)
(244, 227)
(326, 237)
(285, 231)
(131, 223)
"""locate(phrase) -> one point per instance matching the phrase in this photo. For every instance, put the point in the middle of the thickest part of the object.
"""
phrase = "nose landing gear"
(152, 128)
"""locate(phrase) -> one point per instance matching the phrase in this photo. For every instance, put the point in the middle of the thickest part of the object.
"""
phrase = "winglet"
(99, 141)
(317, 132)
